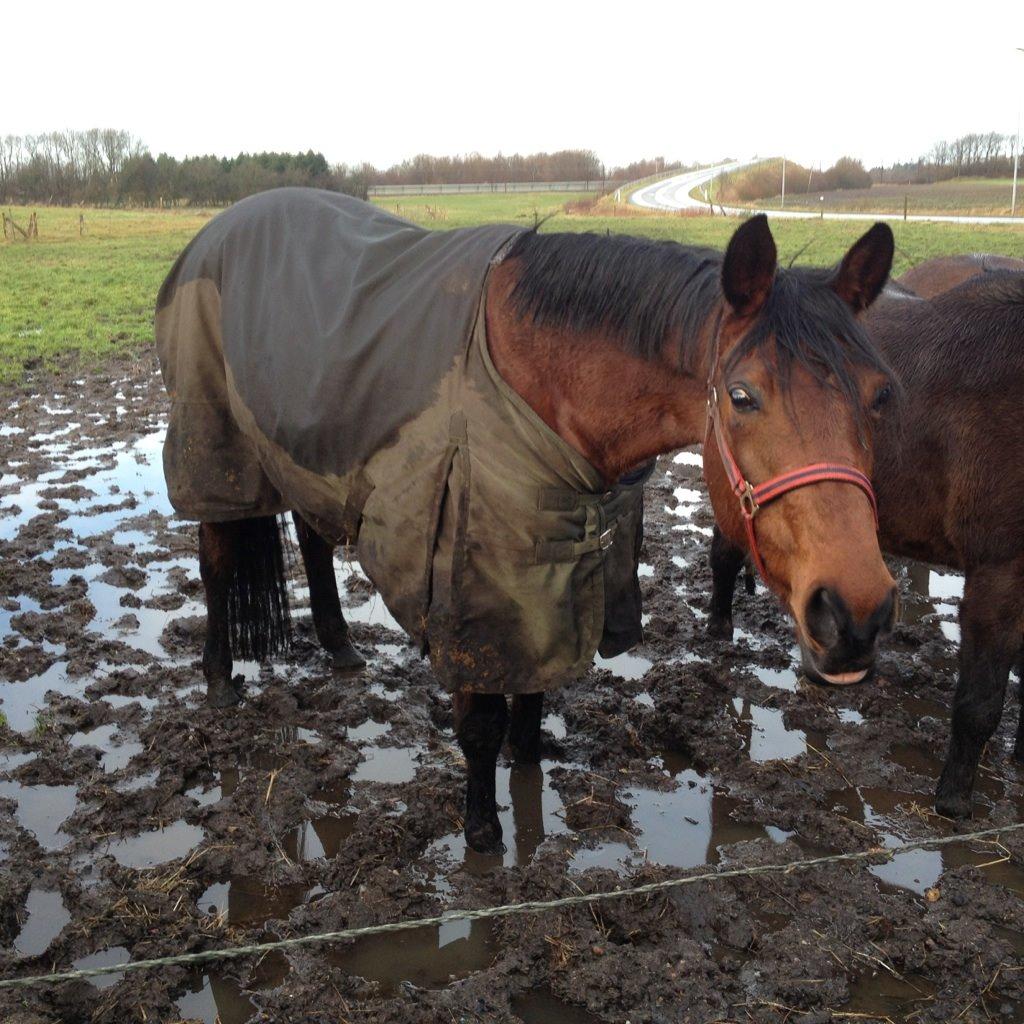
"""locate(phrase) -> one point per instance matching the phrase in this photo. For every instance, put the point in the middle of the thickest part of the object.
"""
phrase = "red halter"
(752, 497)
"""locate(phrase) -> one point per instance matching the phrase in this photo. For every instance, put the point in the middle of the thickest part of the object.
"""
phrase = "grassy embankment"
(93, 293)
(958, 196)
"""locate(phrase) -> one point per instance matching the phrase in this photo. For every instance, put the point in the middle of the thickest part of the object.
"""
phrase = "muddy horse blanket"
(325, 356)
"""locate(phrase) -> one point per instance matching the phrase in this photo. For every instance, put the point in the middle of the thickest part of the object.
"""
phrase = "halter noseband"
(753, 497)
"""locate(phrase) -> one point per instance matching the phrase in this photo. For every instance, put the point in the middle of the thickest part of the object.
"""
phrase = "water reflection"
(683, 827)
(897, 818)
(103, 958)
(764, 732)
(542, 1006)
(428, 957)
(883, 997)
(147, 849)
(215, 999)
(244, 900)
(928, 596)
(42, 810)
(625, 666)
(45, 919)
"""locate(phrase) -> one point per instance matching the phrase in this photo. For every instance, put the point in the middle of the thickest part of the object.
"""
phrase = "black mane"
(643, 292)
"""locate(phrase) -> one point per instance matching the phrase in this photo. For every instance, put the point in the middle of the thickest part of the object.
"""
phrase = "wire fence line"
(506, 910)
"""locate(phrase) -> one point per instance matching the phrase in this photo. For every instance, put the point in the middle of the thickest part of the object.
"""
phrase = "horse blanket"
(325, 356)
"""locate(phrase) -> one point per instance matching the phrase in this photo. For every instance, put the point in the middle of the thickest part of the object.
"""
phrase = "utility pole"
(1016, 162)
(1016, 156)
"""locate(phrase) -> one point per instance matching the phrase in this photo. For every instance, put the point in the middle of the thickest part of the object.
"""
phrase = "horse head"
(794, 388)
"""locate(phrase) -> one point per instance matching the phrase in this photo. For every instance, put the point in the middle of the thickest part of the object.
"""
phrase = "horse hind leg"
(217, 546)
(242, 567)
(328, 620)
(990, 617)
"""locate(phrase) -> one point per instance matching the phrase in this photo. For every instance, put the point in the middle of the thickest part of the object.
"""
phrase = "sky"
(382, 81)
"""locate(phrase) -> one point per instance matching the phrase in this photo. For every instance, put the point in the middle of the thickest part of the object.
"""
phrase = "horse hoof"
(222, 693)
(347, 659)
(953, 805)
(485, 837)
(719, 628)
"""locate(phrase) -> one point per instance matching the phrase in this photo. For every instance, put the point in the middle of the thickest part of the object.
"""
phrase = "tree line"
(764, 180)
(424, 169)
(101, 167)
(111, 167)
(977, 155)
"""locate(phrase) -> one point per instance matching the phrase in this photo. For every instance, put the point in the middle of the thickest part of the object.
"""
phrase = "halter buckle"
(748, 503)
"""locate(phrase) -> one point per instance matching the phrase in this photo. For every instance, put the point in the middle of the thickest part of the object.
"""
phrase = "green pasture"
(93, 292)
(463, 211)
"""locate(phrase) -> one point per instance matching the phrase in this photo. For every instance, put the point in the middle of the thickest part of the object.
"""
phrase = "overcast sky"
(383, 81)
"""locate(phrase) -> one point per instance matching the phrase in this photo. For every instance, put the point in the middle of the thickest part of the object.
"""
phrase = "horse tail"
(259, 623)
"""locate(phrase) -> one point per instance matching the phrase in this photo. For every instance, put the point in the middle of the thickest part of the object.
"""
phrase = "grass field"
(964, 196)
(93, 293)
(468, 210)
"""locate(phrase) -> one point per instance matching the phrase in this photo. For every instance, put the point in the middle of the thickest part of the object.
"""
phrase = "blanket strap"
(603, 513)
(598, 531)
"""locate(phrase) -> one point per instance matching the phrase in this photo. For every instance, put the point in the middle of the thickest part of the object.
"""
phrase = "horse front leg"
(524, 727)
(328, 620)
(726, 562)
(480, 721)
(217, 556)
(990, 617)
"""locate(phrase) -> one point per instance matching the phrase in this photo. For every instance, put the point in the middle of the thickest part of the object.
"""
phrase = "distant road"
(674, 194)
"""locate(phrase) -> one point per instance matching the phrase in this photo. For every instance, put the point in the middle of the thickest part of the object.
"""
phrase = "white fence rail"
(596, 185)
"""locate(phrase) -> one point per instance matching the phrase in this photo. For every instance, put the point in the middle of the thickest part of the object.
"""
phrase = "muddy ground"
(136, 822)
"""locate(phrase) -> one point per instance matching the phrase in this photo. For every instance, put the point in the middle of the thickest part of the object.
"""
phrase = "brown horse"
(932, 277)
(613, 343)
(947, 477)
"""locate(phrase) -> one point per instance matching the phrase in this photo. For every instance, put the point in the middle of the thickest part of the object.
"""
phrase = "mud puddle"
(134, 821)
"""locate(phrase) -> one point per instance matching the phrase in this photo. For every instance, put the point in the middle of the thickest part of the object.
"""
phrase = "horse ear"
(865, 268)
(748, 270)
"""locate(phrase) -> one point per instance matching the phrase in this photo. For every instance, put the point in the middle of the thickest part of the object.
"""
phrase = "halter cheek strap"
(753, 497)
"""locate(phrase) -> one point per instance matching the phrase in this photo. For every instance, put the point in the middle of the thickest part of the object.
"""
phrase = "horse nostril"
(885, 614)
(825, 615)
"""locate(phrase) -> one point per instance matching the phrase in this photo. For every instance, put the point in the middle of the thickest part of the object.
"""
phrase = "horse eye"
(742, 400)
(881, 398)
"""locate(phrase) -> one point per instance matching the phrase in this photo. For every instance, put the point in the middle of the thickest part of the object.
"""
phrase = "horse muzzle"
(835, 648)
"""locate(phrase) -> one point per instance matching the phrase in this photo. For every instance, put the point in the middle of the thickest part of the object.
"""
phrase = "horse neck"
(615, 408)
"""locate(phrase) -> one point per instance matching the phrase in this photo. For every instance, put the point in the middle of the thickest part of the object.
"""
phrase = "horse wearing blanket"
(476, 411)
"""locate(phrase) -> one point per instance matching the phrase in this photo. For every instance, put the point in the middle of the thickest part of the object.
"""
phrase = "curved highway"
(674, 193)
